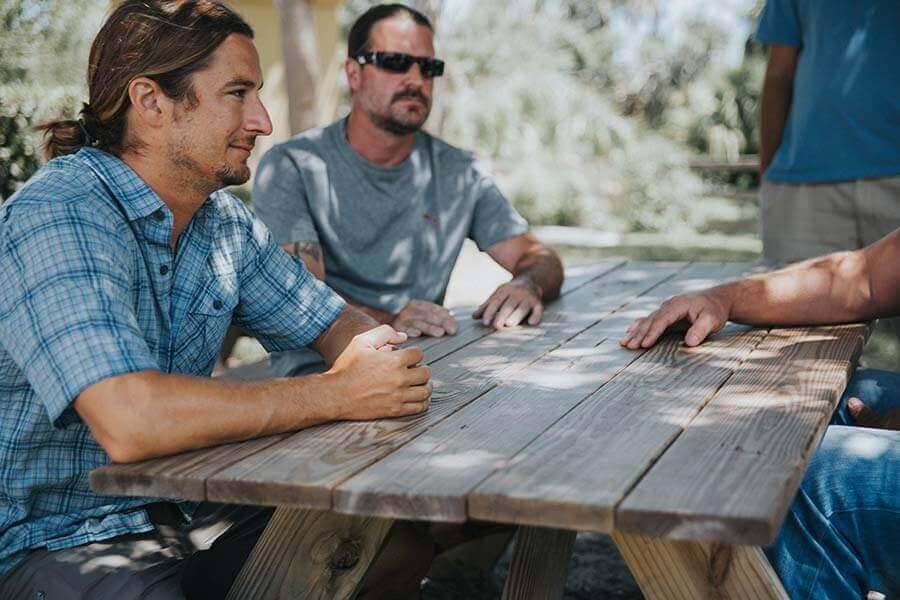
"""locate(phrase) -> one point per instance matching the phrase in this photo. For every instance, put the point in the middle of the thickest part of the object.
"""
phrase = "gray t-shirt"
(388, 234)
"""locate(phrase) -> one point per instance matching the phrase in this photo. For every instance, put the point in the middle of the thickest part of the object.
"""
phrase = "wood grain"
(539, 565)
(303, 469)
(180, 476)
(734, 471)
(576, 472)
(678, 570)
(310, 554)
(431, 477)
(471, 330)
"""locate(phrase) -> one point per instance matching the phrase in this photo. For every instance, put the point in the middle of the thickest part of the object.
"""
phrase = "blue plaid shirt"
(89, 289)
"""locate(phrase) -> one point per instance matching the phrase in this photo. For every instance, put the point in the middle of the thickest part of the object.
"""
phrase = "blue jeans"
(841, 537)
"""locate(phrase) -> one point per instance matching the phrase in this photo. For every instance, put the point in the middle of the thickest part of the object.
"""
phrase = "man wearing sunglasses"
(380, 210)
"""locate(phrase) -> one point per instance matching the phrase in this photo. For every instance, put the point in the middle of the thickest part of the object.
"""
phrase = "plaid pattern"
(89, 289)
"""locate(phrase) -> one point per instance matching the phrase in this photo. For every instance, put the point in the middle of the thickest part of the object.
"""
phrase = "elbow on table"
(116, 411)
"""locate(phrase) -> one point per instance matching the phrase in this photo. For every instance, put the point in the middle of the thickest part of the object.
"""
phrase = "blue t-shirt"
(844, 121)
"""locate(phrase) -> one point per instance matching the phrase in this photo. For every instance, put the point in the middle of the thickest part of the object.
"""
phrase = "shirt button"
(159, 215)
(217, 304)
(164, 269)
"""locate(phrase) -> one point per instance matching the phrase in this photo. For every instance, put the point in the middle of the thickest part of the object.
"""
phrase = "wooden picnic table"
(689, 458)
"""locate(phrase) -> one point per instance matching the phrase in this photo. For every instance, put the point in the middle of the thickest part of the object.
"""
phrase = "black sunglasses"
(398, 62)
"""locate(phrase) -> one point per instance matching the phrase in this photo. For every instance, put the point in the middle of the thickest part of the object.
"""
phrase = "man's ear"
(149, 103)
(354, 72)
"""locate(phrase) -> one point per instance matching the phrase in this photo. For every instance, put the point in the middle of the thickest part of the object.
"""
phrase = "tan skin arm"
(148, 413)
(537, 278)
(777, 93)
(843, 287)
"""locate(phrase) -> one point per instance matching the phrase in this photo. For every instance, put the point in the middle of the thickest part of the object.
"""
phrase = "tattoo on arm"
(310, 249)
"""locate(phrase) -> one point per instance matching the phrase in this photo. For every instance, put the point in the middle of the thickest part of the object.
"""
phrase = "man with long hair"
(123, 263)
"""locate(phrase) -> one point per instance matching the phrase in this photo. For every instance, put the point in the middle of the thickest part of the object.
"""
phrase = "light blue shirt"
(90, 289)
(844, 120)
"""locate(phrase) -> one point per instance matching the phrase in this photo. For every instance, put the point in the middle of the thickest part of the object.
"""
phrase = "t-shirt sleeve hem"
(56, 407)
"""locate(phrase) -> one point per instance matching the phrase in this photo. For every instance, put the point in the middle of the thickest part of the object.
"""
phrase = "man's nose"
(258, 120)
(414, 74)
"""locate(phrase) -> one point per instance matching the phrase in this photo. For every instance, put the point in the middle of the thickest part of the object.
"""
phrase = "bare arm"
(537, 277)
(777, 93)
(839, 288)
(147, 414)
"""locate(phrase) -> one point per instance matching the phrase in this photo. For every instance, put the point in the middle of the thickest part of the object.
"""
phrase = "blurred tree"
(43, 59)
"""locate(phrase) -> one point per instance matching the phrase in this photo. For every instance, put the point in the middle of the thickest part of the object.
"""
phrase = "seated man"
(379, 209)
(123, 263)
(841, 537)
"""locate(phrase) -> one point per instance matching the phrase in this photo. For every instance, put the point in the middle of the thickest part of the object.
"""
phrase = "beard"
(403, 122)
(229, 175)
(195, 176)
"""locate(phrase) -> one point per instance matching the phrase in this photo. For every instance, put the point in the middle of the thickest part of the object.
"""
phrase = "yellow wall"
(263, 17)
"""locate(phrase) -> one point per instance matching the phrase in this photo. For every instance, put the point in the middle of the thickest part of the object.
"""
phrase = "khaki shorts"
(800, 221)
(200, 559)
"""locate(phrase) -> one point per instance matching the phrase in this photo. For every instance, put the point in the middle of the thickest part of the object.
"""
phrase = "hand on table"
(419, 317)
(510, 304)
(864, 416)
(704, 312)
(373, 383)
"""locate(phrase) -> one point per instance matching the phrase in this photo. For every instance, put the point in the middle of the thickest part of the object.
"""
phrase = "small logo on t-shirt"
(430, 218)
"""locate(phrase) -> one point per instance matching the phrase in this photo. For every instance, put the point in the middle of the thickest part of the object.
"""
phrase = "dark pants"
(177, 561)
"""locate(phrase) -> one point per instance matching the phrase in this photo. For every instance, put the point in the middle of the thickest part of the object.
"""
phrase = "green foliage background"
(535, 87)
(44, 46)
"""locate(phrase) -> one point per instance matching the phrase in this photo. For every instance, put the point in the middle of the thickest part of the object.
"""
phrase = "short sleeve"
(280, 199)
(66, 316)
(282, 303)
(494, 218)
(779, 23)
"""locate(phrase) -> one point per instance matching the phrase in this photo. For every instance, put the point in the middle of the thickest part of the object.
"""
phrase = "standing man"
(122, 264)
(841, 536)
(829, 126)
(379, 209)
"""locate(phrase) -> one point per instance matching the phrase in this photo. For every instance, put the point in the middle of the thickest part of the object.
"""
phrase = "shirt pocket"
(205, 326)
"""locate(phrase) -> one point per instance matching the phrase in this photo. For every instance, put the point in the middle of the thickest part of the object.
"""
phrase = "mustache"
(248, 141)
(410, 93)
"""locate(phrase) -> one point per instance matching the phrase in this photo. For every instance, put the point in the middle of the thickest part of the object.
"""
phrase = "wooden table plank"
(303, 469)
(575, 474)
(305, 554)
(431, 477)
(680, 570)
(471, 330)
(182, 476)
(539, 565)
(734, 471)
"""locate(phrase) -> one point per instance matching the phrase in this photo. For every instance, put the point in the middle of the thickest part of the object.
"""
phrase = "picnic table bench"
(688, 457)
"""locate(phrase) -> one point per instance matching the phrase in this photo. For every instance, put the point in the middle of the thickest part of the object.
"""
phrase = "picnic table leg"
(540, 564)
(683, 569)
(310, 554)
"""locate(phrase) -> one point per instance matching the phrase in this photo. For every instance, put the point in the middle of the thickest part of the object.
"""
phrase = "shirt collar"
(138, 199)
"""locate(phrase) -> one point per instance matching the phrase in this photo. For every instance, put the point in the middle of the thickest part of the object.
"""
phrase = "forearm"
(542, 268)
(832, 289)
(384, 318)
(351, 322)
(158, 414)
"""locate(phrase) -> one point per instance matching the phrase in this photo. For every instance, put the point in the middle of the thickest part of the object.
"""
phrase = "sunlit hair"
(164, 40)
(358, 40)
